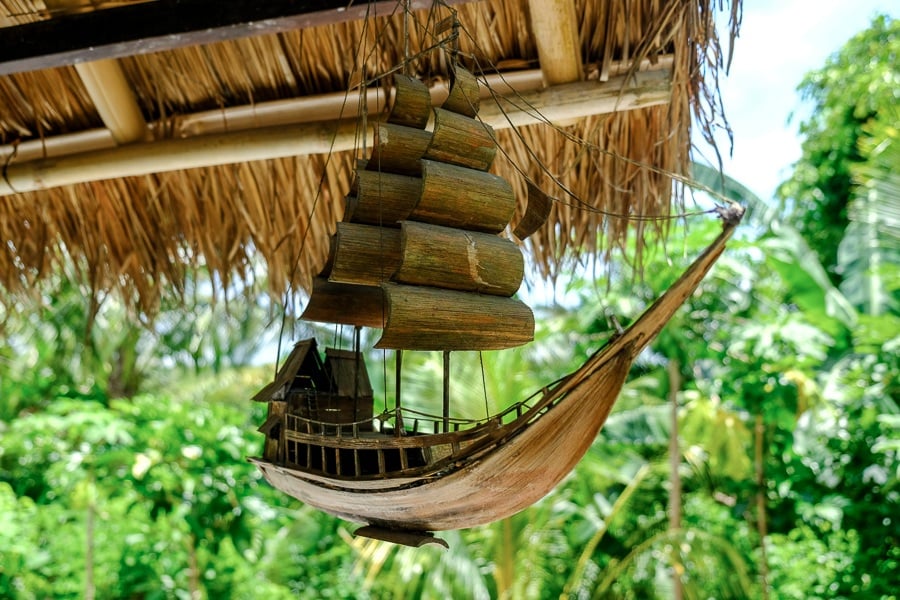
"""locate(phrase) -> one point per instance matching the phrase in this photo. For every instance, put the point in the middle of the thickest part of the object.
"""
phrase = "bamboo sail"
(421, 225)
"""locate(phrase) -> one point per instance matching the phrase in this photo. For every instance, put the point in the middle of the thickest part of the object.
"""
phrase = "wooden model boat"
(419, 256)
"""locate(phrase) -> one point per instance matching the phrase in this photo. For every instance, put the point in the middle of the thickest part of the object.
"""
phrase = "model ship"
(420, 257)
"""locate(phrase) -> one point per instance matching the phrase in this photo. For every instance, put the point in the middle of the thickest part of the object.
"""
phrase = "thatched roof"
(211, 156)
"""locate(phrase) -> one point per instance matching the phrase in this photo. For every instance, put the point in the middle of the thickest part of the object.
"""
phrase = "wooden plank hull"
(485, 488)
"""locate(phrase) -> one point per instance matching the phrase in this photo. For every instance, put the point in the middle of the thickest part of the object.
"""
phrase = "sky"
(780, 41)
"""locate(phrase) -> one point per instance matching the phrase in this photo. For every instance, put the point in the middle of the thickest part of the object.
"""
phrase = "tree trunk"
(89, 584)
(193, 568)
(761, 522)
(674, 475)
(504, 567)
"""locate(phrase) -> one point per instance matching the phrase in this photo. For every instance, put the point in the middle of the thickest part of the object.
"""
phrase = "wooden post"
(446, 408)
(397, 379)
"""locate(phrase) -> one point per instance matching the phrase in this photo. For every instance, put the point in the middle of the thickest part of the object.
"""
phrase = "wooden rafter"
(168, 24)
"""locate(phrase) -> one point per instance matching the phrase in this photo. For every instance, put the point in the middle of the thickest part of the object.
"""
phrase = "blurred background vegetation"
(753, 453)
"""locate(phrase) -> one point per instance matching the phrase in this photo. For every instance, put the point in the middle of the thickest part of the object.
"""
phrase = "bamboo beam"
(559, 103)
(169, 24)
(563, 103)
(555, 29)
(177, 155)
(305, 109)
(114, 100)
(107, 87)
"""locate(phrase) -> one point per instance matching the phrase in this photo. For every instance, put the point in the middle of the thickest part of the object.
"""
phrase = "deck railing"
(337, 448)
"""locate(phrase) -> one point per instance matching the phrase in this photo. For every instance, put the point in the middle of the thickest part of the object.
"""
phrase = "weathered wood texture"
(461, 140)
(459, 260)
(166, 25)
(303, 356)
(348, 373)
(398, 149)
(412, 102)
(383, 198)
(345, 304)
(465, 198)
(364, 254)
(537, 209)
(424, 318)
(464, 97)
(271, 449)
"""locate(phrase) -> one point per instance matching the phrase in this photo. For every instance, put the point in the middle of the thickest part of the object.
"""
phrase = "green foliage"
(123, 452)
(870, 249)
(855, 86)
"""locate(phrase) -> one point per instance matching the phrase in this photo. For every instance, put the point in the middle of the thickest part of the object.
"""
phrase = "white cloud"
(780, 42)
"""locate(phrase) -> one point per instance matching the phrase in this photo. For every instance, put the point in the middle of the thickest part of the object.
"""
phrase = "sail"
(420, 240)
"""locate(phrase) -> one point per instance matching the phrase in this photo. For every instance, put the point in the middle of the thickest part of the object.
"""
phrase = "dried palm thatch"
(144, 235)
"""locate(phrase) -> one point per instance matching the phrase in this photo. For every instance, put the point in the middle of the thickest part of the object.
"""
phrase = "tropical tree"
(856, 86)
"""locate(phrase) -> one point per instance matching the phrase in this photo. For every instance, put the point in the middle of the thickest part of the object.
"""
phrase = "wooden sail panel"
(425, 318)
(458, 197)
(463, 98)
(536, 211)
(455, 259)
(398, 149)
(384, 198)
(345, 304)
(461, 140)
(364, 254)
(412, 102)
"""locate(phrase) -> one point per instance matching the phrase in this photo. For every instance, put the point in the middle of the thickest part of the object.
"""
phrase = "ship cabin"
(316, 406)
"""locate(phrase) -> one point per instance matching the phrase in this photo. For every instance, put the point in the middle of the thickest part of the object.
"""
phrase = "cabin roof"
(140, 147)
(288, 371)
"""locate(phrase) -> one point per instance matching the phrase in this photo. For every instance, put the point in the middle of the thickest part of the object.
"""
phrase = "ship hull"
(482, 488)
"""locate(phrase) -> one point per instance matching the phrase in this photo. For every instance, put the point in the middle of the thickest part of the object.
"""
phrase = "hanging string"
(407, 70)
(295, 268)
(487, 410)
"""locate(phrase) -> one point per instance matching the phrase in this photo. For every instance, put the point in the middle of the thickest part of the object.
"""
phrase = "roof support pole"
(114, 99)
(555, 29)
(105, 83)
